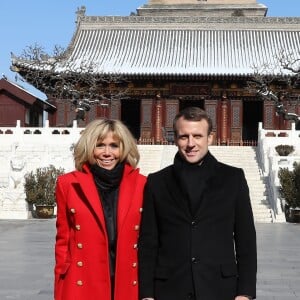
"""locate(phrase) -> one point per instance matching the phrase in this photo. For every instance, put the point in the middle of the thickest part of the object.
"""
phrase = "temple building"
(171, 54)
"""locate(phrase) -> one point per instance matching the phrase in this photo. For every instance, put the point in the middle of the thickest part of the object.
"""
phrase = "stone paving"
(27, 260)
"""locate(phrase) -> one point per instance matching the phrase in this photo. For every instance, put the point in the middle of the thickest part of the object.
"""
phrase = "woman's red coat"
(81, 249)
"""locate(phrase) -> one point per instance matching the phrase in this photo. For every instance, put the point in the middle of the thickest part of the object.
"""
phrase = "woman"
(98, 217)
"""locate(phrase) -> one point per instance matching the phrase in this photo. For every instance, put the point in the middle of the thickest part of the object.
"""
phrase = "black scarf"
(192, 178)
(108, 182)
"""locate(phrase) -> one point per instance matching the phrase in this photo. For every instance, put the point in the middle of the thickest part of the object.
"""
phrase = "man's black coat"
(210, 255)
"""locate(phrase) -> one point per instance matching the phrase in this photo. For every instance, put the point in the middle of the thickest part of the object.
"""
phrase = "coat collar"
(86, 183)
(210, 188)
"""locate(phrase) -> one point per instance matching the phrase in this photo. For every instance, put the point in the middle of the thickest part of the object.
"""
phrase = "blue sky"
(52, 22)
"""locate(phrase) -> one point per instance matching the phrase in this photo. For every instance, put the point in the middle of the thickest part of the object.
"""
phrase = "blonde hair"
(96, 131)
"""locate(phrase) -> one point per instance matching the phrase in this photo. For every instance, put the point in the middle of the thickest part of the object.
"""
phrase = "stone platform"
(27, 260)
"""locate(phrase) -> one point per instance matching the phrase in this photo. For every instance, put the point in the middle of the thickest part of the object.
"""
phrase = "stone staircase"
(245, 158)
(155, 157)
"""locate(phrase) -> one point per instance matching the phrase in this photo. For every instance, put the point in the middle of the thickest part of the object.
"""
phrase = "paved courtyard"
(27, 249)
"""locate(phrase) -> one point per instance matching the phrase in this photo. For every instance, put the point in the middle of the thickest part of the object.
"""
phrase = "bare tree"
(286, 81)
(57, 77)
(290, 63)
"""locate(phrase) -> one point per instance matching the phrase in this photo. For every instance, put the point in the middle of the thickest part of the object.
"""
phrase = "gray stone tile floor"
(27, 260)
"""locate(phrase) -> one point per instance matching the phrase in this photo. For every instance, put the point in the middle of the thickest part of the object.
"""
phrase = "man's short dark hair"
(192, 114)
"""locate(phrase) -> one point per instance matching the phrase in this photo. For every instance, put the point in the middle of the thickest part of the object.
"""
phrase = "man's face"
(192, 139)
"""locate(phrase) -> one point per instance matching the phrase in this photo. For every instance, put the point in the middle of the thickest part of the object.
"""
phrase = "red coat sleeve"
(62, 237)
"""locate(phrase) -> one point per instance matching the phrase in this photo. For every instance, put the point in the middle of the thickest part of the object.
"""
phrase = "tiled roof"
(21, 93)
(171, 50)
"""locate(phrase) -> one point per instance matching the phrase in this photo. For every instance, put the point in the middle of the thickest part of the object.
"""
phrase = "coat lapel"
(211, 188)
(126, 194)
(86, 183)
(179, 197)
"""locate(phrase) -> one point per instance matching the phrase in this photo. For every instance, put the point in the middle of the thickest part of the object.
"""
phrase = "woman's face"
(107, 152)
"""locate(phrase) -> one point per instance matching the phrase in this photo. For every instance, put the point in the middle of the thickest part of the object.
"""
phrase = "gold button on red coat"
(134, 282)
(73, 211)
(136, 227)
(134, 265)
(135, 246)
(79, 282)
(79, 263)
(79, 245)
(77, 227)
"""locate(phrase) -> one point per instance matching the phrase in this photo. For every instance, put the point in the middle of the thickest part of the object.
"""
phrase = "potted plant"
(40, 189)
(290, 191)
(284, 150)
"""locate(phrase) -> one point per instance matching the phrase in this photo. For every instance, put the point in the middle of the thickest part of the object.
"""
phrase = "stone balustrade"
(271, 162)
(25, 148)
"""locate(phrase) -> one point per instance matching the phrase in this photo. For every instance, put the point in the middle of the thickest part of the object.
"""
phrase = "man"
(197, 238)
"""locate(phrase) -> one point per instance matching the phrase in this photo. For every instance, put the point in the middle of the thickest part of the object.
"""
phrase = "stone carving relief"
(17, 172)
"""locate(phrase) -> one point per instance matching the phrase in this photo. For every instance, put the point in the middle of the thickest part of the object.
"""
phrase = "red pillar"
(158, 120)
(224, 121)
